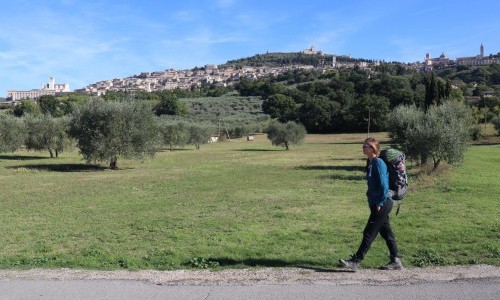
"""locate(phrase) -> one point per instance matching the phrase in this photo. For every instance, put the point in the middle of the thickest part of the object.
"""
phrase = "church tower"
(481, 50)
(52, 83)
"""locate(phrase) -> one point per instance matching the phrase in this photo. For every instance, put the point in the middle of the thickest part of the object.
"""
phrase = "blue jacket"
(378, 182)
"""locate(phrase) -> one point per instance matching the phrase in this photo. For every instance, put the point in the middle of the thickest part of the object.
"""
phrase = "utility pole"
(220, 133)
(369, 117)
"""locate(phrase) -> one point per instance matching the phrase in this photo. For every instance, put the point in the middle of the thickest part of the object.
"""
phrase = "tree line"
(390, 97)
(103, 131)
(345, 100)
(426, 114)
(276, 59)
(342, 100)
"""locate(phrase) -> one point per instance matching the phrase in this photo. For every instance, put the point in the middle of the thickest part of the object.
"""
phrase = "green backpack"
(398, 175)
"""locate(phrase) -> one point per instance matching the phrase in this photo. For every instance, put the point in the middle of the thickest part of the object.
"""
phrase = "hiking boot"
(395, 264)
(352, 263)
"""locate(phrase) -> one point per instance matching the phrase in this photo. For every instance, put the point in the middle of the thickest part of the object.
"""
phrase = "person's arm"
(381, 181)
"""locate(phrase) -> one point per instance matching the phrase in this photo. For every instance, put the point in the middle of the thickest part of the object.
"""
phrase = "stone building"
(50, 88)
(479, 60)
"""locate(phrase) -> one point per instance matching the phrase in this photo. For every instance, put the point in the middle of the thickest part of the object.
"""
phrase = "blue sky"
(82, 42)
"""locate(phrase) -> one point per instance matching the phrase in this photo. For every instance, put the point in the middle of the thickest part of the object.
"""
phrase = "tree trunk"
(424, 158)
(113, 163)
(436, 164)
(286, 146)
(51, 153)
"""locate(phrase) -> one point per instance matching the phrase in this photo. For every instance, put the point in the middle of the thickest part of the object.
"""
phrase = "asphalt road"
(127, 289)
(451, 282)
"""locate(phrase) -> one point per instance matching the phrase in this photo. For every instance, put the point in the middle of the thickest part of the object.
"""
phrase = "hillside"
(240, 115)
(234, 109)
(293, 58)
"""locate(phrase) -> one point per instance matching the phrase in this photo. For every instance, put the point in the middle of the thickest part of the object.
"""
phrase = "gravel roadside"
(271, 276)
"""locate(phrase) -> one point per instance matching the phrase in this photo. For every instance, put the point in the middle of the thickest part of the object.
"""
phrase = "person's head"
(370, 146)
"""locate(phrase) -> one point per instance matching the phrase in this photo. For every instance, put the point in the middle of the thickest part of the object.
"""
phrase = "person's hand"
(378, 208)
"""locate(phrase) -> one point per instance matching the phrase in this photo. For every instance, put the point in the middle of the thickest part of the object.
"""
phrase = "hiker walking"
(380, 205)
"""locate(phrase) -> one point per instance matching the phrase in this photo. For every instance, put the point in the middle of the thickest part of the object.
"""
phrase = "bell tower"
(52, 83)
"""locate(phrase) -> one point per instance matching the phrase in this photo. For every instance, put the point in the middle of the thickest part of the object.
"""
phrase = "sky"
(81, 42)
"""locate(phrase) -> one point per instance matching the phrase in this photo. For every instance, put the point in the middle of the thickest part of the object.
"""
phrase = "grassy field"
(239, 204)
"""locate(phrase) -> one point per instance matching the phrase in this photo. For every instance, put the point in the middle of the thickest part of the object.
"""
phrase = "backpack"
(398, 175)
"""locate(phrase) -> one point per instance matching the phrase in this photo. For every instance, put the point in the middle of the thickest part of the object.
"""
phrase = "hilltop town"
(212, 74)
(229, 74)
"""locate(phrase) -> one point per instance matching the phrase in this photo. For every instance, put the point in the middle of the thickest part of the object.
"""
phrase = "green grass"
(238, 204)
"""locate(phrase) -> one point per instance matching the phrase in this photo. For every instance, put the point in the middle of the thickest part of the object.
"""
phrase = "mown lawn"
(238, 204)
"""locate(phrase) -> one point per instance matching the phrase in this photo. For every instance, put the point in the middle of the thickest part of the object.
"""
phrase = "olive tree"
(105, 131)
(200, 134)
(173, 133)
(281, 134)
(12, 133)
(442, 133)
(403, 123)
(47, 133)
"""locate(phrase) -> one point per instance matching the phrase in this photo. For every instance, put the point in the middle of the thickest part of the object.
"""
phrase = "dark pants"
(378, 222)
